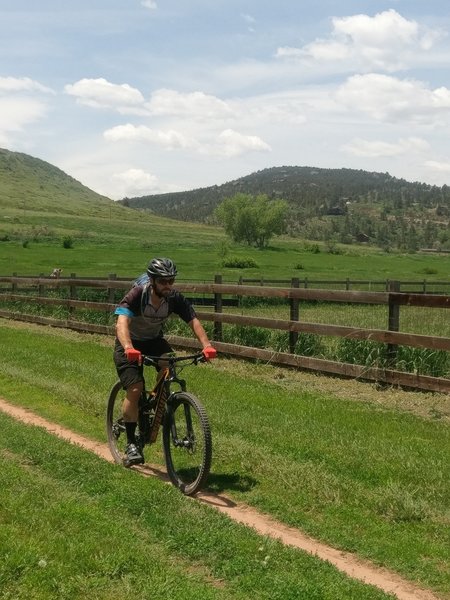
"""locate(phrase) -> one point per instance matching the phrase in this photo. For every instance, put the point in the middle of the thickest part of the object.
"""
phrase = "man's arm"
(123, 331)
(199, 332)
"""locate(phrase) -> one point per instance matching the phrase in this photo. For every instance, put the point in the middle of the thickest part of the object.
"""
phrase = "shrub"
(430, 271)
(240, 263)
(312, 248)
(5, 238)
(25, 243)
(68, 242)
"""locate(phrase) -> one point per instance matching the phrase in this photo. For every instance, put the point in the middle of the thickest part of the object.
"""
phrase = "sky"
(137, 97)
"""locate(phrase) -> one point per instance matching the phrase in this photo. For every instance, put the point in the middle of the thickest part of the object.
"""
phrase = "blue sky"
(135, 97)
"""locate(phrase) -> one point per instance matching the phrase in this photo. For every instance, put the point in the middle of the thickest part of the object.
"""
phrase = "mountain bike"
(186, 433)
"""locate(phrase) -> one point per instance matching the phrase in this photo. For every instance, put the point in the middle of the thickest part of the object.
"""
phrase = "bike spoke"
(187, 443)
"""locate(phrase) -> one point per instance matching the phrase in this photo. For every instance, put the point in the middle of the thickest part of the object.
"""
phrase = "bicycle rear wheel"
(115, 427)
(187, 442)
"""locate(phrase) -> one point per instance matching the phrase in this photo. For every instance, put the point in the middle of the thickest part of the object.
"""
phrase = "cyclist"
(141, 315)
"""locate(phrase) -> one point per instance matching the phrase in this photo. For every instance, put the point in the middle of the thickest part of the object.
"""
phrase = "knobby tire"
(188, 463)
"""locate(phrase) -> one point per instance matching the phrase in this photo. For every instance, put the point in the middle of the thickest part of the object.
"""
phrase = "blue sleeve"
(120, 310)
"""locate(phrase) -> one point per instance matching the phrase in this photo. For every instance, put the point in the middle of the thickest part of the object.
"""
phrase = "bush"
(312, 248)
(430, 271)
(5, 238)
(25, 243)
(68, 242)
(240, 263)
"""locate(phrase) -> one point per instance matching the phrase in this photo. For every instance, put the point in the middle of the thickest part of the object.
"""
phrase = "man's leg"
(130, 409)
(132, 380)
(133, 453)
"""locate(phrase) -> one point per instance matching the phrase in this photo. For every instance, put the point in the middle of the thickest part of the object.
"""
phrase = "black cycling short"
(130, 372)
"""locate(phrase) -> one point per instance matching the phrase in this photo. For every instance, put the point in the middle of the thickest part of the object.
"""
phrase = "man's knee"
(134, 390)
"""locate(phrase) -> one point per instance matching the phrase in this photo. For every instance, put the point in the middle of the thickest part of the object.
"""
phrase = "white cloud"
(378, 148)
(384, 42)
(16, 114)
(228, 143)
(441, 167)
(135, 182)
(21, 84)
(169, 139)
(232, 143)
(250, 21)
(248, 18)
(194, 105)
(100, 93)
(149, 4)
(386, 98)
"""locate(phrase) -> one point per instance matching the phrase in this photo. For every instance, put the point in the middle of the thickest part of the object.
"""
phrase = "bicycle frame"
(161, 392)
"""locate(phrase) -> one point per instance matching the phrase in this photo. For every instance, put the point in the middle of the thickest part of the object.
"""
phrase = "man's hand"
(209, 353)
(133, 355)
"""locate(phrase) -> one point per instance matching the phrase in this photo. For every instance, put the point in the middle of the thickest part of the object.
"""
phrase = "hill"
(50, 220)
(344, 205)
(33, 184)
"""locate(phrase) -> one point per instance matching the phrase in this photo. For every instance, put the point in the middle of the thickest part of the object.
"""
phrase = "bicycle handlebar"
(154, 360)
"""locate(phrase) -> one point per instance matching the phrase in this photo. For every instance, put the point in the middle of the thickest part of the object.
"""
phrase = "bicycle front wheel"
(187, 442)
(115, 426)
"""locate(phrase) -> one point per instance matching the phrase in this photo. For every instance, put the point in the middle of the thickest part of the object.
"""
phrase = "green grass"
(122, 242)
(359, 476)
(73, 526)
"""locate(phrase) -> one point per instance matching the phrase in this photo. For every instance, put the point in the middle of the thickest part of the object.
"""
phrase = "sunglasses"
(165, 280)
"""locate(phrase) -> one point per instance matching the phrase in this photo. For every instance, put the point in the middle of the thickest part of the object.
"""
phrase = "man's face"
(162, 286)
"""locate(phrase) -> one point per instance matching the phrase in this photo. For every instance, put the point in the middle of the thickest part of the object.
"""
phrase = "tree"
(252, 219)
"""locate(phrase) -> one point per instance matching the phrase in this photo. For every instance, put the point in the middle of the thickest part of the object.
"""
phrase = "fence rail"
(34, 290)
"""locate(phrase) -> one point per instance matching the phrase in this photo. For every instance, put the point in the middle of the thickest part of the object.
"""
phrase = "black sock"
(131, 432)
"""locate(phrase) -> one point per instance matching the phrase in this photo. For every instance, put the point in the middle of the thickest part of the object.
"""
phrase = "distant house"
(362, 238)
(336, 211)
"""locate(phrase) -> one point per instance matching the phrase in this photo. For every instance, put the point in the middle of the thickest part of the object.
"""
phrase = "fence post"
(111, 292)
(218, 309)
(14, 285)
(294, 314)
(72, 296)
(239, 298)
(41, 287)
(393, 322)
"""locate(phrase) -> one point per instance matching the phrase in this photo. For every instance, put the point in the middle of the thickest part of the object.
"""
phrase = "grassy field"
(365, 472)
(118, 240)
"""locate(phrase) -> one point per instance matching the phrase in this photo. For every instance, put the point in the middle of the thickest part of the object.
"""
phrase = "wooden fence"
(35, 289)
(421, 286)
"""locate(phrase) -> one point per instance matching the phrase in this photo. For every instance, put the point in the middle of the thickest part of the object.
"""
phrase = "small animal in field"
(56, 273)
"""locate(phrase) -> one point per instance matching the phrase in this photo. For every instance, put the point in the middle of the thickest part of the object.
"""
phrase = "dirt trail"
(263, 524)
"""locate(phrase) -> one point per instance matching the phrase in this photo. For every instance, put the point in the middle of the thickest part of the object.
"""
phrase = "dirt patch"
(263, 524)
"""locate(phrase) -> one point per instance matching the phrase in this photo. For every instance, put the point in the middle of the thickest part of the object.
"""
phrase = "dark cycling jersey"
(147, 321)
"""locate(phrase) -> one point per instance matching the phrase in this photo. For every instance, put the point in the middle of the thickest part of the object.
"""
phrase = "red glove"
(133, 355)
(209, 352)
